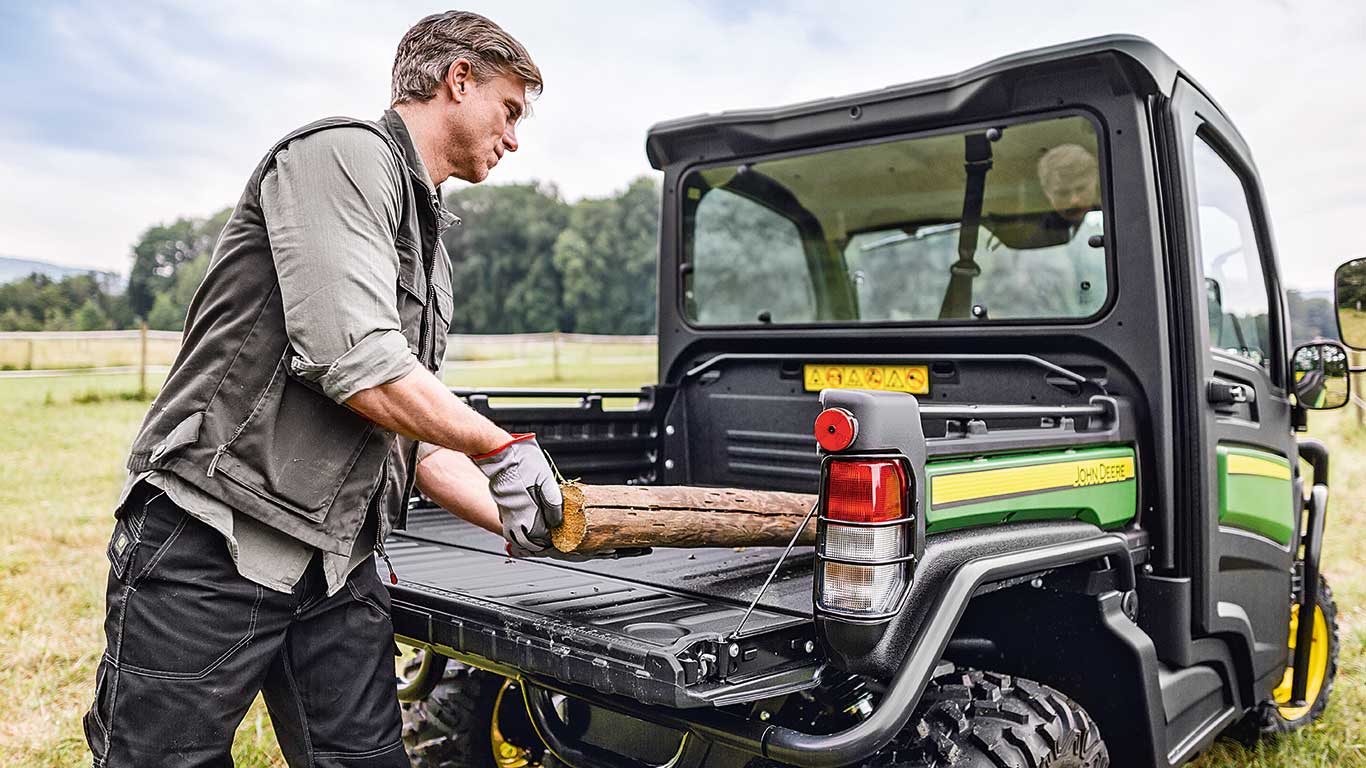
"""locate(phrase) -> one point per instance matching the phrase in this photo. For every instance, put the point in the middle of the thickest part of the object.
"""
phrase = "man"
(1056, 272)
(1070, 179)
(285, 442)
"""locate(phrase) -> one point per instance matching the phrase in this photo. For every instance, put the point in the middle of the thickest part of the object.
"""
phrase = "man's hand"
(526, 491)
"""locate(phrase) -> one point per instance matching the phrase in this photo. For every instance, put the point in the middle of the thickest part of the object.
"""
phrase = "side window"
(748, 265)
(1235, 286)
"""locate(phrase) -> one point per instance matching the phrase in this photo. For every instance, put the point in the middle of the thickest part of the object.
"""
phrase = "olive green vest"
(233, 418)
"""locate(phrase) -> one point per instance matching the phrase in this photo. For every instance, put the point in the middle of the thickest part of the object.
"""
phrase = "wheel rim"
(1318, 666)
(505, 753)
(424, 679)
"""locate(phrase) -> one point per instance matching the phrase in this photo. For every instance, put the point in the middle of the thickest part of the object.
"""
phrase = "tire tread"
(450, 727)
(977, 719)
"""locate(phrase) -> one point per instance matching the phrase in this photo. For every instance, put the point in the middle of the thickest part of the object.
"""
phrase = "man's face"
(483, 124)
(1072, 191)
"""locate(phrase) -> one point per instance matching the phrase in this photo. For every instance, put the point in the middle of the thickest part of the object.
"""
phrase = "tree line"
(524, 260)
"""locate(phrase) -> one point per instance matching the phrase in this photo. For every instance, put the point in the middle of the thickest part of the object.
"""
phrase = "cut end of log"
(569, 535)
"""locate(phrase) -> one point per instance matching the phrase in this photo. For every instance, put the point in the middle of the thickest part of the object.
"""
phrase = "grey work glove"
(526, 490)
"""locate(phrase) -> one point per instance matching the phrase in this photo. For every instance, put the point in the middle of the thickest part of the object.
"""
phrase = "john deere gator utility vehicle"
(1023, 331)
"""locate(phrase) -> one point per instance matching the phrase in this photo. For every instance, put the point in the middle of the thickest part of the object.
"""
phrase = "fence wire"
(63, 353)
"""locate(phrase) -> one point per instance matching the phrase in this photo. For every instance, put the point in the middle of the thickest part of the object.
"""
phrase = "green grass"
(61, 457)
(1352, 324)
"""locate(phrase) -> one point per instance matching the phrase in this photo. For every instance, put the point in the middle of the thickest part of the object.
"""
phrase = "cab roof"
(730, 133)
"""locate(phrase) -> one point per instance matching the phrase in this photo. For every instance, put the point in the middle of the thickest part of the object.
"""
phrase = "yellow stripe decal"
(989, 483)
(1240, 464)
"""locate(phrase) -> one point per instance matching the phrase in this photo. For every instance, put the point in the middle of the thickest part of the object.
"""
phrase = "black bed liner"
(656, 628)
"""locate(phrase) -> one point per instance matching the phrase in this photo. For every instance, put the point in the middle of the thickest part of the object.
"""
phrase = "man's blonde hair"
(1065, 159)
(427, 51)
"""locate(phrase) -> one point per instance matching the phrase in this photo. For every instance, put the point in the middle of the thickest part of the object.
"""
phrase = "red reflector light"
(836, 429)
(865, 491)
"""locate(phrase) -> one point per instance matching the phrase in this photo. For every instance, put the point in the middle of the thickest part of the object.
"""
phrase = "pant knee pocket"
(173, 632)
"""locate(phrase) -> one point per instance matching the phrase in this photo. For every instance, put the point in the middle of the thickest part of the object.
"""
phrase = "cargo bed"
(657, 628)
(660, 629)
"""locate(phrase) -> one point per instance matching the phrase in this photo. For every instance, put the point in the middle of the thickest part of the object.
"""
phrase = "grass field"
(1352, 324)
(61, 453)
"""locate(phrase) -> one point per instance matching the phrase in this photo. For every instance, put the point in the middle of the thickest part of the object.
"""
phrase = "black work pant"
(190, 642)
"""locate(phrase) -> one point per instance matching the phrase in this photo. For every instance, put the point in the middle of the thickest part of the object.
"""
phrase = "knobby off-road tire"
(452, 726)
(972, 719)
(1270, 719)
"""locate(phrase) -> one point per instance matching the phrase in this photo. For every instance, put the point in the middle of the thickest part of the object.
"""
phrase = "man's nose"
(510, 137)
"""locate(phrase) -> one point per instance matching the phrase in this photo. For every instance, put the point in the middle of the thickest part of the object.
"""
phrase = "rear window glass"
(987, 225)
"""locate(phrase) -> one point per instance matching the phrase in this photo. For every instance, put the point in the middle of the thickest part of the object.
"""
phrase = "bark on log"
(599, 517)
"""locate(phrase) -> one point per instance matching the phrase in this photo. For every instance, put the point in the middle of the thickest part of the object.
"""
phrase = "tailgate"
(657, 628)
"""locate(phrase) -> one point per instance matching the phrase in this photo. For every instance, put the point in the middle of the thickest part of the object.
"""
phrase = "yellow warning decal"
(1240, 464)
(914, 379)
(1010, 481)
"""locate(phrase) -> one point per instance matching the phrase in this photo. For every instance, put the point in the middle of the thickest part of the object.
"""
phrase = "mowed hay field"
(61, 456)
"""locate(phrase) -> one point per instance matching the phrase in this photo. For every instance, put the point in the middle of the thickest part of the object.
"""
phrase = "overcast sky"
(117, 116)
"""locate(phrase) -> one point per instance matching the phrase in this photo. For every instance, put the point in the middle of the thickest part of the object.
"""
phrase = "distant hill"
(12, 269)
(1322, 293)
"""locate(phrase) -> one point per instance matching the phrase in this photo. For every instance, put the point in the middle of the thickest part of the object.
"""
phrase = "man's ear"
(458, 79)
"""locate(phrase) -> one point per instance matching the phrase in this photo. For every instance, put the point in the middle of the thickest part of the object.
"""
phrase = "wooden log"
(599, 517)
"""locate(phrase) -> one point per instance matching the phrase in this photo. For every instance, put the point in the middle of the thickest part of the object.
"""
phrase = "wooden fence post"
(28, 364)
(1354, 359)
(555, 352)
(142, 361)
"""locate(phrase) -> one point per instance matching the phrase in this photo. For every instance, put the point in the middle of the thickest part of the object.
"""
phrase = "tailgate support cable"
(735, 633)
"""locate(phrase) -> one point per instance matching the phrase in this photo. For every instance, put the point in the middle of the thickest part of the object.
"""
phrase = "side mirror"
(1321, 380)
(1349, 287)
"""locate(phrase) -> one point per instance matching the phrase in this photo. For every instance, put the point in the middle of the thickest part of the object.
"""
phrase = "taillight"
(865, 491)
(865, 539)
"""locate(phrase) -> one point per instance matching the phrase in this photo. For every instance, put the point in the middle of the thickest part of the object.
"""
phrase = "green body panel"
(1256, 503)
(1105, 504)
